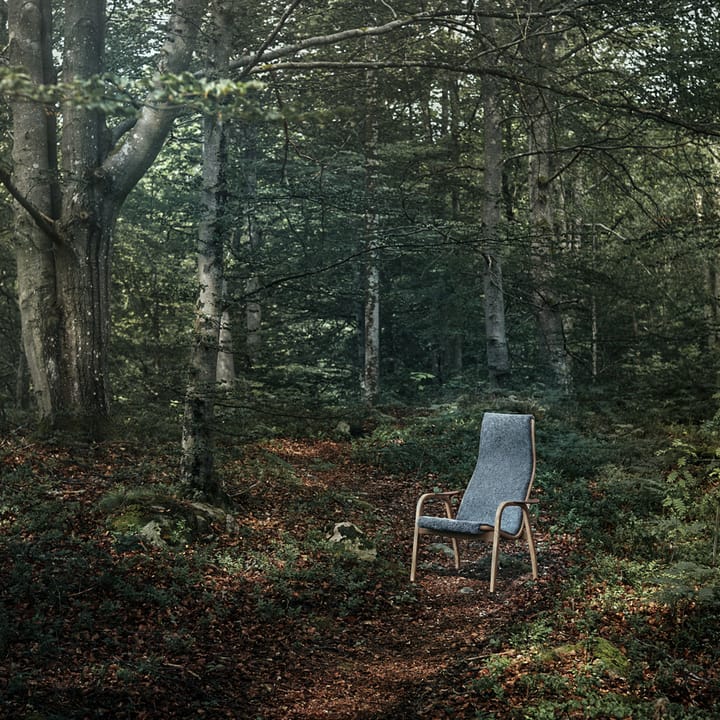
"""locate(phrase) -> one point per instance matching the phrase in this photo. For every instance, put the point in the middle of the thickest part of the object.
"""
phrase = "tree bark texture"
(225, 375)
(542, 211)
(371, 269)
(253, 233)
(65, 223)
(498, 358)
(34, 156)
(197, 473)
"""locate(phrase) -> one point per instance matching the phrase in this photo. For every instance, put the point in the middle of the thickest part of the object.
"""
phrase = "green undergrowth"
(633, 630)
(626, 619)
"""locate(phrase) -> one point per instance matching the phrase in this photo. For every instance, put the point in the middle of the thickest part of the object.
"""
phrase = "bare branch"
(324, 40)
(269, 39)
(623, 104)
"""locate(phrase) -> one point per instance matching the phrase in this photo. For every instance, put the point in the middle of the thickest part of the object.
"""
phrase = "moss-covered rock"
(159, 519)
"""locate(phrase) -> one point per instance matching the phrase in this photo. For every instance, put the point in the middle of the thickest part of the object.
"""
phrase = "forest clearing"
(265, 267)
(263, 618)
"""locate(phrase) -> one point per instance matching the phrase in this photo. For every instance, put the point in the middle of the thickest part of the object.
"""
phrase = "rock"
(342, 430)
(442, 548)
(165, 521)
(351, 539)
(151, 533)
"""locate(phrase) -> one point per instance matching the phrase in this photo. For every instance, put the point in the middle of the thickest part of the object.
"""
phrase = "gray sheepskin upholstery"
(503, 472)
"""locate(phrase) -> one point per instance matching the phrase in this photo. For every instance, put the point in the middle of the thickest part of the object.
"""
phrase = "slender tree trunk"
(371, 319)
(198, 475)
(498, 358)
(705, 211)
(371, 364)
(226, 358)
(253, 306)
(253, 321)
(451, 116)
(542, 217)
(594, 326)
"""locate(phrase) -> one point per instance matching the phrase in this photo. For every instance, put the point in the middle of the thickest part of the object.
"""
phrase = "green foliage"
(310, 578)
(420, 444)
(688, 529)
(114, 94)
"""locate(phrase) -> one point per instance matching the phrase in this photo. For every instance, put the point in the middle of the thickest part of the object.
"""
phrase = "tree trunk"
(498, 359)
(35, 176)
(371, 365)
(64, 222)
(706, 212)
(371, 319)
(82, 261)
(198, 475)
(226, 357)
(253, 307)
(542, 217)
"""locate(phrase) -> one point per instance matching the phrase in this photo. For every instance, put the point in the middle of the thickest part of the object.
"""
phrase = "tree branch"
(129, 161)
(266, 44)
(46, 224)
(625, 104)
(249, 61)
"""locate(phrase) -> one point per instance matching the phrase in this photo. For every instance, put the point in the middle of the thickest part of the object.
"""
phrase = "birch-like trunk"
(371, 318)
(197, 471)
(198, 475)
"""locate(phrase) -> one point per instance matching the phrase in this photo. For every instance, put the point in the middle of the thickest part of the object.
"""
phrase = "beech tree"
(72, 171)
(498, 359)
(73, 167)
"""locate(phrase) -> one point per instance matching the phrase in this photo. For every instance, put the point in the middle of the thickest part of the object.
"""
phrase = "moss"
(159, 519)
(600, 652)
(128, 521)
(611, 657)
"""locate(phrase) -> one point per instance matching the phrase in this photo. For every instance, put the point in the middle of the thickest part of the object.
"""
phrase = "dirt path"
(402, 663)
(101, 631)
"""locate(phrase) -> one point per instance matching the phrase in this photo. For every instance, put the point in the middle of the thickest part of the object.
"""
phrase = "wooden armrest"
(518, 503)
(523, 504)
(444, 497)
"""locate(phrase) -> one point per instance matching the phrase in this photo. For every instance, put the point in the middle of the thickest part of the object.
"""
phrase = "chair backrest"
(505, 470)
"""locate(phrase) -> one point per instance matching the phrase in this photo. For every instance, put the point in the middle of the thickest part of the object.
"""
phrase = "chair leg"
(531, 547)
(494, 560)
(456, 553)
(416, 542)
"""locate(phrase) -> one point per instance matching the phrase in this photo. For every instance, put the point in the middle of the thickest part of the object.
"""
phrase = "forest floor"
(262, 621)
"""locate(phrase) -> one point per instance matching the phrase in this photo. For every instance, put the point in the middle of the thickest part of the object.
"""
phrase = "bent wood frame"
(487, 533)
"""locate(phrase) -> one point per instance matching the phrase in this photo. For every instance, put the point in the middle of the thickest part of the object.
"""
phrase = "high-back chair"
(495, 504)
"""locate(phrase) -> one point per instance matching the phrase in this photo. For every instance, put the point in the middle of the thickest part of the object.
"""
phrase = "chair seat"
(448, 525)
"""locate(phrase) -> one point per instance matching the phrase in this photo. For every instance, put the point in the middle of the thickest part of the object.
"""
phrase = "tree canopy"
(623, 94)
